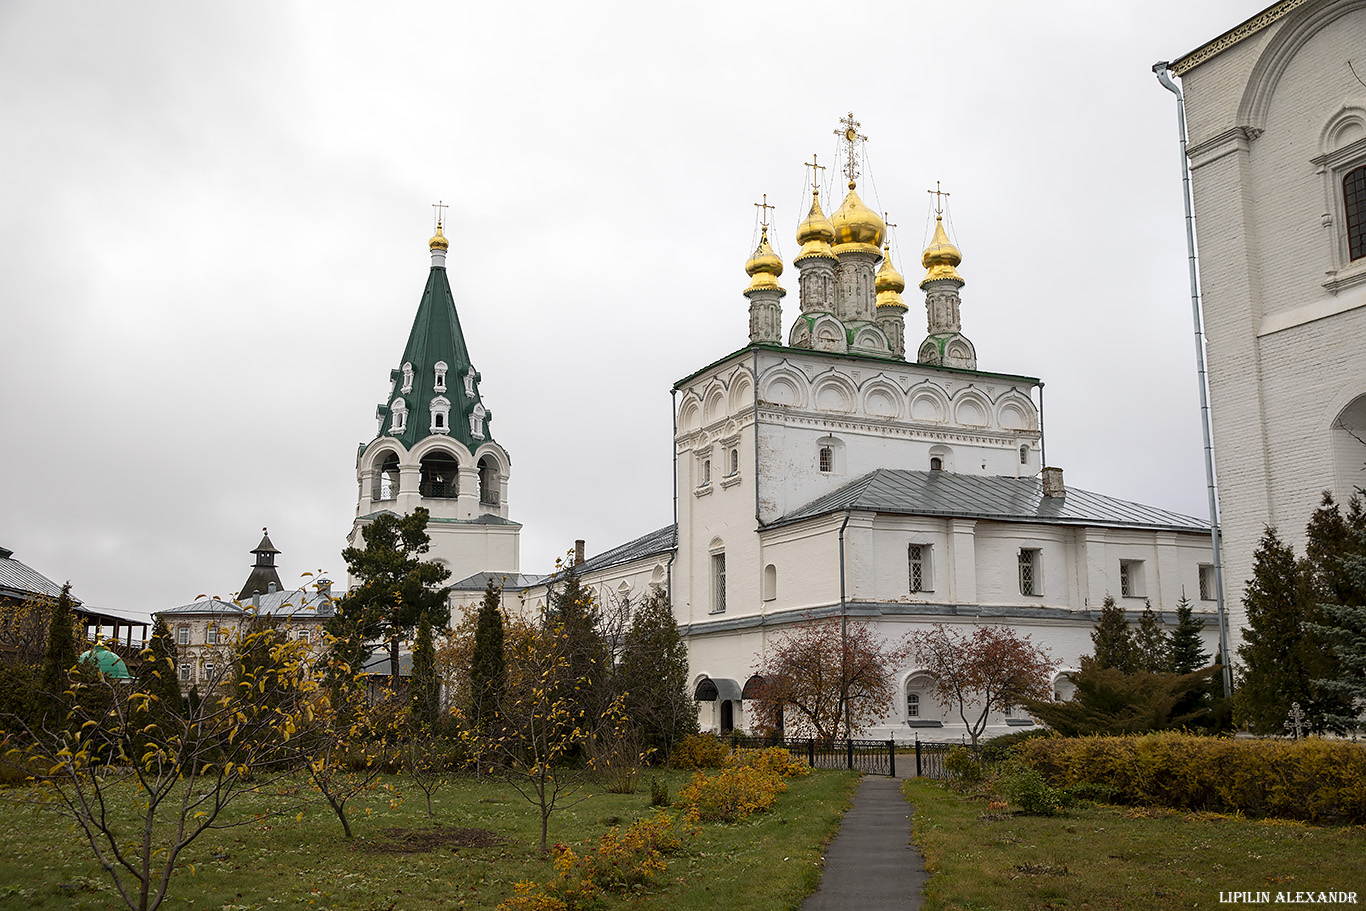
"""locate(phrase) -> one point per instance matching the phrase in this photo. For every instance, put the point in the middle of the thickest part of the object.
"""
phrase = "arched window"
(718, 576)
(488, 482)
(936, 464)
(770, 582)
(441, 415)
(734, 461)
(385, 485)
(398, 414)
(1024, 455)
(1354, 202)
(912, 705)
(827, 459)
(440, 476)
(407, 377)
(477, 422)
(440, 380)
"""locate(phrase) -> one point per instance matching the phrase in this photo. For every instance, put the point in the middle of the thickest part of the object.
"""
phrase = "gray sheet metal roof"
(659, 541)
(22, 580)
(508, 581)
(297, 603)
(944, 493)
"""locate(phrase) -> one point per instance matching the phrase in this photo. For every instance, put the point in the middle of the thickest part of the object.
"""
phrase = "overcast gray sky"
(214, 218)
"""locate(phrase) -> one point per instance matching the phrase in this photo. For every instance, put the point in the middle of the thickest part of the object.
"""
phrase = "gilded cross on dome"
(851, 137)
(938, 199)
(440, 208)
(763, 208)
(815, 170)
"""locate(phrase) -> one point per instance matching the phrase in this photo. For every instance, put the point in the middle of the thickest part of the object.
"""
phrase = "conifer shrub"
(1313, 780)
(700, 751)
(1027, 790)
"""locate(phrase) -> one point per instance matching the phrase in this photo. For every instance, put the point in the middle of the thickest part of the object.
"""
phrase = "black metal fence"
(917, 759)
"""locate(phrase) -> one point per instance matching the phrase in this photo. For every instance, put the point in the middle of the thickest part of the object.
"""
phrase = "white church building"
(819, 472)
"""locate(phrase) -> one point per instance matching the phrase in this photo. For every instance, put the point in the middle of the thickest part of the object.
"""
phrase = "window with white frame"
(184, 671)
(1342, 168)
(936, 463)
(706, 471)
(470, 376)
(211, 635)
(1206, 582)
(1354, 210)
(182, 635)
(477, 422)
(912, 705)
(1131, 579)
(407, 377)
(303, 636)
(439, 382)
(718, 582)
(918, 566)
(398, 415)
(1031, 580)
(827, 459)
(441, 415)
(734, 461)
(1024, 455)
(209, 668)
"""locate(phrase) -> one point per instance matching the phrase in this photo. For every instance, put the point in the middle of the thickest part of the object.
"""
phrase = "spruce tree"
(488, 666)
(59, 658)
(157, 673)
(1186, 652)
(1112, 643)
(424, 687)
(653, 676)
(1151, 649)
(573, 608)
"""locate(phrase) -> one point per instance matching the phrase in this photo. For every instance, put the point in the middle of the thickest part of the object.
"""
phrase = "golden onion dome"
(438, 241)
(764, 266)
(940, 257)
(816, 233)
(857, 225)
(889, 284)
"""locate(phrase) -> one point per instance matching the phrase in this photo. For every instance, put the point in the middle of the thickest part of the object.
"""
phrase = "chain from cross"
(851, 137)
(938, 198)
(763, 208)
(440, 208)
(887, 220)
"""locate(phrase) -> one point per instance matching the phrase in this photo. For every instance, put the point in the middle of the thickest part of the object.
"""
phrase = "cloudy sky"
(214, 218)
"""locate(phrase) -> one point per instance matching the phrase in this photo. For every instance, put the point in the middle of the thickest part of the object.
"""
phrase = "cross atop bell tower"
(850, 137)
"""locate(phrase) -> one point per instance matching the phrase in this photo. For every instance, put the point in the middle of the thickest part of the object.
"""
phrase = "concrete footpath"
(871, 865)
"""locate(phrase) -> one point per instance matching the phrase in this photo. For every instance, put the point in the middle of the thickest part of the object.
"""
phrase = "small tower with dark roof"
(263, 572)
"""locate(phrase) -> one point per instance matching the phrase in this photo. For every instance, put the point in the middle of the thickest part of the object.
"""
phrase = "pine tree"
(397, 588)
(157, 673)
(1186, 652)
(573, 607)
(653, 676)
(1151, 649)
(1112, 642)
(488, 666)
(59, 658)
(424, 689)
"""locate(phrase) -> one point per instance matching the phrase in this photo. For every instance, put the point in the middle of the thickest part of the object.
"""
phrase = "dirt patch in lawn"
(434, 838)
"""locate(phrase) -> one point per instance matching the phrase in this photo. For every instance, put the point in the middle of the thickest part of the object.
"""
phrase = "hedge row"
(1313, 780)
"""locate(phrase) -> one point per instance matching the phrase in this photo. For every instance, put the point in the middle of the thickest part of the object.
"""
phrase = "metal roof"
(508, 581)
(944, 493)
(297, 603)
(23, 580)
(659, 541)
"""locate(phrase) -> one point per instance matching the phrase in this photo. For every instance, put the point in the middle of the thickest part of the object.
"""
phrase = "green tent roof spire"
(435, 389)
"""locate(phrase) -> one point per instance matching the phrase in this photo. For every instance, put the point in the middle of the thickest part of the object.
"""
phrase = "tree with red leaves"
(984, 670)
(832, 683)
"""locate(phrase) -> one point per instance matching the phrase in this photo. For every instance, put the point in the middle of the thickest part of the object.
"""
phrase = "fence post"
(918, 772)
(849, 751)
(891, 757)
(811, 752)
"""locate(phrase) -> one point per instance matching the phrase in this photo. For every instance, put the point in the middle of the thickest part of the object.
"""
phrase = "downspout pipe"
(673, 443)
(844, 617)
(1161, 70)
(757, 520)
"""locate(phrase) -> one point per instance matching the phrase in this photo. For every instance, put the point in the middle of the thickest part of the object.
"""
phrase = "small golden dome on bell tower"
(438, 241)
(764, 266)
(940, 256)
(815, 234)
(889, 284)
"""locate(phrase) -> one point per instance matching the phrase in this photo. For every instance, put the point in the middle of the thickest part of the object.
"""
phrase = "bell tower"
(434, 445)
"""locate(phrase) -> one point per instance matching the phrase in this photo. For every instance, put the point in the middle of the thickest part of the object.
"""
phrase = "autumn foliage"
(828, 684)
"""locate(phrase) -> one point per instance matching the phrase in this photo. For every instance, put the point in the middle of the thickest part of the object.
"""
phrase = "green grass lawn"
(397, 861)
(1102, 857)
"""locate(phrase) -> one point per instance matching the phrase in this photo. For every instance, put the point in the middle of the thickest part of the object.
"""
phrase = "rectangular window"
(1030, 583)
(718, 583)
(208, 670)
(918, 561)
(211, 635)
(182, 635)
(303, 636)
(1207, 583)
(1354, 202)
(1131, 578)
(184, 671)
